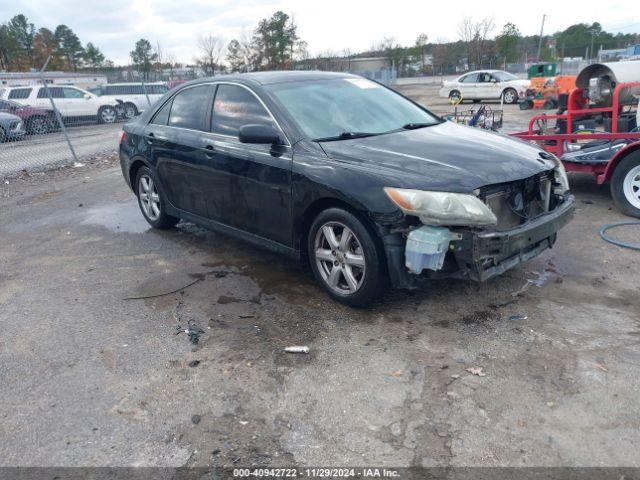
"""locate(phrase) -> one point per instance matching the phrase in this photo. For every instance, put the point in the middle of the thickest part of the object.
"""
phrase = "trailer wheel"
(625, 185)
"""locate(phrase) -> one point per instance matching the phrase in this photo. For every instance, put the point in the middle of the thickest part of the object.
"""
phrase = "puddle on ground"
(117, 217)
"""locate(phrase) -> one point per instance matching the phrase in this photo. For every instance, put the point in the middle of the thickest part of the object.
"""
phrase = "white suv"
(72, 102)
(132, 95)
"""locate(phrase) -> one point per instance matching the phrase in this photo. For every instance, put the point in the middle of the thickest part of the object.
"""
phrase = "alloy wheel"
(149, 198)
(39, 126)
(340, 258)
(108, 115)
(129, 111)
(509, 96)
(631, 186)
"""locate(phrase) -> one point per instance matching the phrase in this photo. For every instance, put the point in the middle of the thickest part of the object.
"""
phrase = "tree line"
(275, 44)
(22, 48)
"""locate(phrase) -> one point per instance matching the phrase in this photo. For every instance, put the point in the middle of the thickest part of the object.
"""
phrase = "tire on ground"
(163, 221)
(630, 165)
(375, 279)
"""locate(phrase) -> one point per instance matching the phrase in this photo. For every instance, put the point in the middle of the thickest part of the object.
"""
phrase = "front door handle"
(209, 151)
(150, 137)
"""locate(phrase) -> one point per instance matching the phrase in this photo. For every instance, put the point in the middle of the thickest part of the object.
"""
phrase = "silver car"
(11, 127)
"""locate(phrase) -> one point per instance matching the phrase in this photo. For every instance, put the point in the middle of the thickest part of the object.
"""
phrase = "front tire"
(151, 200)
(455, 96)
(107, 114)
(130, 110)
(38, 126)
(510, 96)
(345, 258)
(625, 185)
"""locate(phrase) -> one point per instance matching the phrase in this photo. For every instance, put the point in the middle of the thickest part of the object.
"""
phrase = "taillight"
(122, 137)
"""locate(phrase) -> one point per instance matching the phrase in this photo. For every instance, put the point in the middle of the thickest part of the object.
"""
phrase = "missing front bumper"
(482, 255)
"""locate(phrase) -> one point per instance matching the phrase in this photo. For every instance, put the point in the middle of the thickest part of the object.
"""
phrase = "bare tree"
(475, 34)
(211, 48)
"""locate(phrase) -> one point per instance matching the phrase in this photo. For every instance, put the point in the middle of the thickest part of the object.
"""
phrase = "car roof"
(268, 78)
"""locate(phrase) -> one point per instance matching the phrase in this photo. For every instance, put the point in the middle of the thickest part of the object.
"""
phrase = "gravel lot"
(536, 368)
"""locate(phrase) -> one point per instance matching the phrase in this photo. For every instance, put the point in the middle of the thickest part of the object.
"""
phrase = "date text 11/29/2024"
(320, 472)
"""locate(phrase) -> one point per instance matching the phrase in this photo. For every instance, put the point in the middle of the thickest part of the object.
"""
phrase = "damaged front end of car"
(477, 235)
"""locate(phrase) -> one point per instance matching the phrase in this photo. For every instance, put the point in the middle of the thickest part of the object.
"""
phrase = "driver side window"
(471, 78)
(234, 107)
(72, 93)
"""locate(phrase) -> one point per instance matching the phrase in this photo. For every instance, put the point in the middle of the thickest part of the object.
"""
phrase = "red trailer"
(597, 134)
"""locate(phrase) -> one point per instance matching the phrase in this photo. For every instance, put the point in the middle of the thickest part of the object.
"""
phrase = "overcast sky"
(327, 25)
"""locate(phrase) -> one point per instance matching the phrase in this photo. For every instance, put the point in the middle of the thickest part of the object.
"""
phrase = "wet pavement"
(450, 375)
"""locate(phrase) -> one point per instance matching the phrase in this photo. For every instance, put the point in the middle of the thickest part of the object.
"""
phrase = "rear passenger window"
(190, 108)
(234, 107)
(56, 92)
(471, 78)
(162, 117)
(19, 93)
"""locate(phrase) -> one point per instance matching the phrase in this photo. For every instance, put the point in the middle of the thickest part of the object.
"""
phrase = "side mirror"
(259, 134)
(494, 80)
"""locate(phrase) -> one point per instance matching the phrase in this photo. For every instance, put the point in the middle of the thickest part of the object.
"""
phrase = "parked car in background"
(11, 127)
(37, 121)
(73, 103)
(132, 95)
(361, 182)
(485, 85)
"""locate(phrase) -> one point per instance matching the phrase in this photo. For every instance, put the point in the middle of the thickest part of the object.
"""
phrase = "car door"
(177, 140)
(81, 103)
(57, 93)
(469, 86)
(484, 86)
(495, 88)
(250, 183)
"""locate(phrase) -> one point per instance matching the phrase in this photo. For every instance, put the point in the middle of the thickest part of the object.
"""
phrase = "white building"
(82, 80)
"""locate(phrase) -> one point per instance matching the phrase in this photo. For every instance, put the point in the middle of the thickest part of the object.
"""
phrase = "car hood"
(443, 157)
(520, 83)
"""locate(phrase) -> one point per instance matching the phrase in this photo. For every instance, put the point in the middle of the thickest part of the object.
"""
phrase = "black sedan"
(342, 172)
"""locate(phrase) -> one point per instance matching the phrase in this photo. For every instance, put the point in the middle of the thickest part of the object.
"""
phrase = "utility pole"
(540, 40)
(591, 49)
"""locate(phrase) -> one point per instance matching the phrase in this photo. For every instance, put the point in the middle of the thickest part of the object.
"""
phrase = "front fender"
(617, 158)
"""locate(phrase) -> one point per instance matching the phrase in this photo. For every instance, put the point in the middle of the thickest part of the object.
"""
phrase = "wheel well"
(633, 149)
(133, 173)
(321, 204)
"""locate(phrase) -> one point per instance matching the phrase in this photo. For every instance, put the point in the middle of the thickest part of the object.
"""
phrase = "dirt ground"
(538, 367)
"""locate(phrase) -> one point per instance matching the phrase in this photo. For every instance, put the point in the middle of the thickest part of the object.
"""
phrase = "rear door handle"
(209, 151)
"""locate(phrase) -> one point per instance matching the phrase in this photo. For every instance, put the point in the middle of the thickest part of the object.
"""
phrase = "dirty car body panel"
(268, 194)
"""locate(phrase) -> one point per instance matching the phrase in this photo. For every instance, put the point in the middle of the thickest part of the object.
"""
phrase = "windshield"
(331, 108)
(504, 76)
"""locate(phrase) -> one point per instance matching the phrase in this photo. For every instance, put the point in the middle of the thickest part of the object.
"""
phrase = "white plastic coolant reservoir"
(426, 248)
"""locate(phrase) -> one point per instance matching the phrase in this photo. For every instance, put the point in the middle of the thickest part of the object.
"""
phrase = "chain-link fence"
(50, 120)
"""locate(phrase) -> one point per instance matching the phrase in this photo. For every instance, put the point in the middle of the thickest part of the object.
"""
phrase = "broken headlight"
(560, 179)
(442, 208)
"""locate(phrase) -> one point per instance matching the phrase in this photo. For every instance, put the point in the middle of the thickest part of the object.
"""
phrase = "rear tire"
(625, 185)
(348, 264)
(151, 200)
